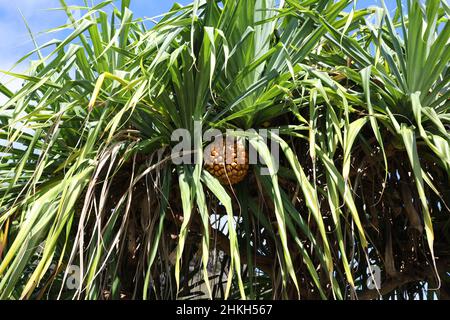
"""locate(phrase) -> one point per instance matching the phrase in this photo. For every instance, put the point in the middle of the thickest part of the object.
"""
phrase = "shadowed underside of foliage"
(92, 206)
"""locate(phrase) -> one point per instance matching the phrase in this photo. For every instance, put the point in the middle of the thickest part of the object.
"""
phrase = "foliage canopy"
(361, 102)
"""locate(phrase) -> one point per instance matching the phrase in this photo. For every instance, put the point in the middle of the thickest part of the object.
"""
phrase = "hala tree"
(359, 99)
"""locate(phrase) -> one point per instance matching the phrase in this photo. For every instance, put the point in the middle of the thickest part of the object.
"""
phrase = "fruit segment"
(227, 161)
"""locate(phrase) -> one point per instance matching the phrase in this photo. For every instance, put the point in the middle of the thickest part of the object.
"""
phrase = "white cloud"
(11, 83)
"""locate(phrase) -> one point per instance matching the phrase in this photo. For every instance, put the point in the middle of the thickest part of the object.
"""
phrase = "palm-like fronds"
(87, 180)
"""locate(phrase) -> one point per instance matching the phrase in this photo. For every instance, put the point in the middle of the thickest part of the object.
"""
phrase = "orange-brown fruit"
(228, 162)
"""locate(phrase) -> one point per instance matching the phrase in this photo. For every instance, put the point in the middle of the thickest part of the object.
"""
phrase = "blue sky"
(15, 41)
